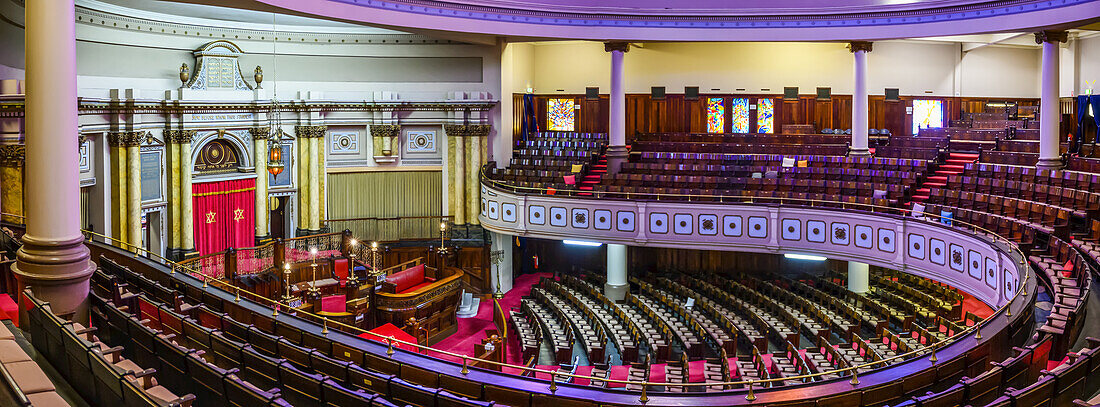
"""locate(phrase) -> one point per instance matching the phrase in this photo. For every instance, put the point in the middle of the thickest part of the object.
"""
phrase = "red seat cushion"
(406, 279)
(583, 371)
(334, 303)
(697, 371)
(657, 372)
(618, 372)
(9, 307)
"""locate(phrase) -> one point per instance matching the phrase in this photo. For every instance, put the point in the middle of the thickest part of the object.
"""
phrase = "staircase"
(953, 165)
(594, 176)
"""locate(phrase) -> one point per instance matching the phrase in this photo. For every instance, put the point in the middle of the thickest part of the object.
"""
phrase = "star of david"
(238, 214)
(210, 217)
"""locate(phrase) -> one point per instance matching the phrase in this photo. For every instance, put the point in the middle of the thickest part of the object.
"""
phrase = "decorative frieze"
(310, 131)
(126, 138)
(180, 136)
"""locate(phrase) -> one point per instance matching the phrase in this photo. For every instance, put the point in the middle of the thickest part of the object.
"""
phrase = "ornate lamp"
(287, 298)
(275, 158)
(314, 292)
(496, 257)
(374, 256)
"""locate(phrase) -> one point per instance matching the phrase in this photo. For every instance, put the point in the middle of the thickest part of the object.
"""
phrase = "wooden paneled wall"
(675, 113)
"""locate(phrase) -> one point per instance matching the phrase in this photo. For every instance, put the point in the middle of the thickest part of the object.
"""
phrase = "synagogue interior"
(568, 203)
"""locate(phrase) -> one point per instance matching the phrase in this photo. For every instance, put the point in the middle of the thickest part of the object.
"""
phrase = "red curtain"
(224, 215)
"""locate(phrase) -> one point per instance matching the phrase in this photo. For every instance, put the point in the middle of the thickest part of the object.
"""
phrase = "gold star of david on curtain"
(210, 217)
(238, 215)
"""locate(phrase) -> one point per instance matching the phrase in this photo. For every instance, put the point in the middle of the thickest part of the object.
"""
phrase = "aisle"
(471, 330)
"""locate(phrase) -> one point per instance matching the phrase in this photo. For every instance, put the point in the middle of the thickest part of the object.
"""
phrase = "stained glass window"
(560, 115)
(927, 114)
(764, 110)
(740, 115)
(716, 115)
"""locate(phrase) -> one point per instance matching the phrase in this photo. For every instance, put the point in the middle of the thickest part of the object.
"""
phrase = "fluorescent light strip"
(804, 257)
(582, 243)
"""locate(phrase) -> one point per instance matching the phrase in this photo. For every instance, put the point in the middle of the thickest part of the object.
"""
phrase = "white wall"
(1088, 64)
(517, 67)
(912, 66)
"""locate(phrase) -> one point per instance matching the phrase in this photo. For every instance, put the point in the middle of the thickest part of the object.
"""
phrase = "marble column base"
(616, 156)
(262, 239)
(1049, 163)
(616, 292)
(863, 152)
(56, 272)
(299, 232)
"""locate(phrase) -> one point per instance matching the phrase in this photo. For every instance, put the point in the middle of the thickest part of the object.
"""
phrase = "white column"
(616, 150)
(259, 137)
(53, 261)
(858, 277)
(1049, 154)
(459, 179)
(616, 286)
(859, 98)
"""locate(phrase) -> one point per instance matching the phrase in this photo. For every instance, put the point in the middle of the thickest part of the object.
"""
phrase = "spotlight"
(805, 257)
(582, 243)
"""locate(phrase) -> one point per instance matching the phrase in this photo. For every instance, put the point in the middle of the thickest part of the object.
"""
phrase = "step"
(919, 198)
(935, 184)
(952, 167)
(924, 190)
(963, 156)
(938, 178)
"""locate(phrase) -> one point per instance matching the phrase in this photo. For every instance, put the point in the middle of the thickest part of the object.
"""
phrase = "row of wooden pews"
(621, 333)
(583, 323)
(560, 333)
(670, 323)
(528, 334)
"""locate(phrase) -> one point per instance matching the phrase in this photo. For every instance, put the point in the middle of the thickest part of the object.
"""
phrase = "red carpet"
(972, 305)
(472, 330)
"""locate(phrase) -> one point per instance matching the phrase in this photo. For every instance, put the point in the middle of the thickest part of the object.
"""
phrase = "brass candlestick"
(287, 298)
(313, 290)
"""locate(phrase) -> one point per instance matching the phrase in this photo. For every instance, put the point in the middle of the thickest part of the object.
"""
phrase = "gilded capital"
(259, 133)
(385, 130)
(468, 130)
(12, 155)
(310, 131)
(126, 138)
(1051, 36)
(855, 46)
(620, 46)
(179, 136)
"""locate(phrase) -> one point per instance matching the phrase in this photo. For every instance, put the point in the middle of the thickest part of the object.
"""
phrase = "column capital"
(180, 136)
(126, 138)
(855, 46)
(467, 130)
(1051, 36)
(385, 130)
(621, 46)
(12, 155)
(259, 133)
(310, 131)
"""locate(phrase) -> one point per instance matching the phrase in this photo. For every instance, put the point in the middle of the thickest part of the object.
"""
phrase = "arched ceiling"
(707, 20)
